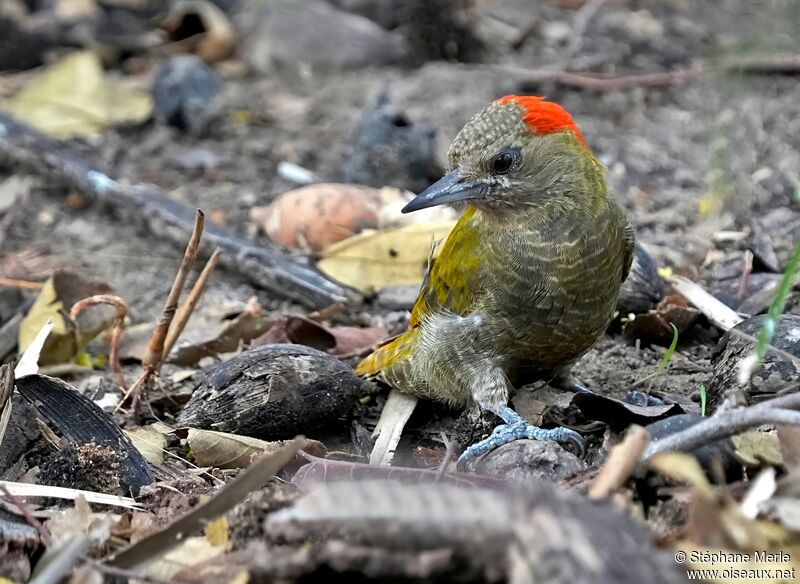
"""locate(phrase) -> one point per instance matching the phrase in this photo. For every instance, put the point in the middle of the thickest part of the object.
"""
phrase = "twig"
(26, 513)
(26, 149)
(63, 561)
(450, 449)
(620, 463)
(725, 423)
(155, 349)
(580, 23)
(770, 64)
(600, 83)
(116, 335)
(230, 495)
(186, 310)
(21, 284)
(132, 575)
(153, 358)
(744, 278)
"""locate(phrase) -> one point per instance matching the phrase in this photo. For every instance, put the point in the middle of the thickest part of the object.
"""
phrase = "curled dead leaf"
(225, 450)
(68, 337)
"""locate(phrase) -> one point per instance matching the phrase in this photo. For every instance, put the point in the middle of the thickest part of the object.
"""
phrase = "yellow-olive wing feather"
(452, 279)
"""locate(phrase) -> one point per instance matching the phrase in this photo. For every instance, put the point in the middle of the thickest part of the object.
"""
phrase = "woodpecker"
(528, 279)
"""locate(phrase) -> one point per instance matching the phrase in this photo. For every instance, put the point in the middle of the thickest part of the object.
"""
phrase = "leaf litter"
(300, 516)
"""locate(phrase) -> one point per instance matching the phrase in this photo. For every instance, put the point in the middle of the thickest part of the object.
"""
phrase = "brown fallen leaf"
(655, 325)
(225, 450)
(352, 341)
(216, 38)
(298, 330)
(248, 325)
(342, 341)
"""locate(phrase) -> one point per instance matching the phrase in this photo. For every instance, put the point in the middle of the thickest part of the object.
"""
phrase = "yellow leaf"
(67, 338)
(757, 448)
(682, 467)
(73, 97)
(191, 552)
(374, 259)
(217, 531)
(665, 272)
(62, 343)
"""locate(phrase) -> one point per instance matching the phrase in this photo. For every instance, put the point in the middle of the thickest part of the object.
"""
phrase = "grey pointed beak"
(451, 188)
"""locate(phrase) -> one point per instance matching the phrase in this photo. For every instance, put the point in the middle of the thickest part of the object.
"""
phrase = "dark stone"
(391, 150)
(185, 93)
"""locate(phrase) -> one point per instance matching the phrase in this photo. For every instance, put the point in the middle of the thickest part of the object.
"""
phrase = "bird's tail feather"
(388, 355)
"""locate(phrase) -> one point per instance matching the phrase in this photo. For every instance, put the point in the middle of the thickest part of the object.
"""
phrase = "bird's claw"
(520, 429)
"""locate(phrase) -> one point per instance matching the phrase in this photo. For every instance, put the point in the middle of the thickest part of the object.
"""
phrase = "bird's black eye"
(503, 162)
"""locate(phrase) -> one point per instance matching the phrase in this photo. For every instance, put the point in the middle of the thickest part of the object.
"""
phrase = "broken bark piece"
(619, 414)
(24, 148)
(81, 421)
(273, 392)
(776, 372)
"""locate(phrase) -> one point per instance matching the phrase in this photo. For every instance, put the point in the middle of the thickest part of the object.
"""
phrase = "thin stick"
(155, 348)
(620, 463)
(727, 423)
(450, 449)
(116, 335)
(22, 284)
(27, 150)
(27, 515)
(187, 308)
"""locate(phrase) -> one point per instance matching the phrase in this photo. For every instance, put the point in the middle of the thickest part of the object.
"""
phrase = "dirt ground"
(728, 137)
(689, 162)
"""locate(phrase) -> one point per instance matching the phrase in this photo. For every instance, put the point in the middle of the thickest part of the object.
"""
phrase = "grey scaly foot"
(515, 428)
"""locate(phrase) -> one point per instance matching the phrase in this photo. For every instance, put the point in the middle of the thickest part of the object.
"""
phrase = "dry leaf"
(217, 532)
(65, 524)
(352, 340)
(316, 216)
(248, 325)
(224, 450)
(685, 468)
(758, 448)
(149, 441)
(298, 330)
(342, 341)
(374, 259)
(73, 97)
(192, 551)
(68, 337)
(789, 439)
(214, 42)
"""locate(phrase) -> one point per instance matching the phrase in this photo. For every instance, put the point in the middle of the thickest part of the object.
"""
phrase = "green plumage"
(528, 279)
